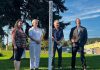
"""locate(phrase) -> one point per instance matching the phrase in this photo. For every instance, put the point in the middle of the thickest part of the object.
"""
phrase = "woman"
(19, 43)
(35, 35)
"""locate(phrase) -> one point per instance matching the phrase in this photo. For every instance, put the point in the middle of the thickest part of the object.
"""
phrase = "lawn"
(93, 61)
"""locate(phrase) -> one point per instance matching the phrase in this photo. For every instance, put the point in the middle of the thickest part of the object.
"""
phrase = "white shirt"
(35, 34)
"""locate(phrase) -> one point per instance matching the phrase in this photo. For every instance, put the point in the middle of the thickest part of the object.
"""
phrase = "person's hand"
(52, 38)
(15, 47)
(58, 42)
(24, 46)
(37, 41)
(72, 40)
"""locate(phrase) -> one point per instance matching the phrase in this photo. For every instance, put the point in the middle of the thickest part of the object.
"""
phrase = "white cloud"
(83, 9)
(90, 16)
(90, 11)
(83, 15)
(90, 30)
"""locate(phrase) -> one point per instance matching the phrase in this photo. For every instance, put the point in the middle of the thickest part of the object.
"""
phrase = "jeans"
(59, 55)
(74, 52)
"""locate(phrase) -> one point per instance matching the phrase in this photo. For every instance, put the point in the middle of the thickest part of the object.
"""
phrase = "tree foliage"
(11, 10)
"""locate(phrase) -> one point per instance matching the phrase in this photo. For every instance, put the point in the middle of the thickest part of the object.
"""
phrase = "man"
(57, 37)
(35, 35)
(78, 38)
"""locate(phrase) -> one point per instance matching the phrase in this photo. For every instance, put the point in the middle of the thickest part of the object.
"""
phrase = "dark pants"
(18, 53)
(74, 51)
(59, 55)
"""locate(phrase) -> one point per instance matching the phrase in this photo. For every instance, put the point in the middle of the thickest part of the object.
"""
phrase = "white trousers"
(35, 50)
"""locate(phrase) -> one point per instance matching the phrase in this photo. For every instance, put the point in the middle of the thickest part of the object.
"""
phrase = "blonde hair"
(34, 20)
(16, 24)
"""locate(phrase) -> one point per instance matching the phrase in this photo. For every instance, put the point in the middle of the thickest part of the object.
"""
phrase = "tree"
(11, 10)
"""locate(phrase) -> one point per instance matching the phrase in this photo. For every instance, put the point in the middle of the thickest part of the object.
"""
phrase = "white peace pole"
(50, 34)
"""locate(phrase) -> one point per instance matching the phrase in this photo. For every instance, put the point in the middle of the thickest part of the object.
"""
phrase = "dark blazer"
(80, 37)
(57, 34)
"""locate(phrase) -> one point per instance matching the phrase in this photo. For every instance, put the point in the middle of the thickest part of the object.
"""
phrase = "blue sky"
(89, 13)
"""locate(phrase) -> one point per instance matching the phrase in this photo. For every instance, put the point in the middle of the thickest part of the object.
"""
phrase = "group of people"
(78, 38)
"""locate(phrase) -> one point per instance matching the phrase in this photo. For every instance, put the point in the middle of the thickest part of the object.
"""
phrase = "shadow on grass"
(1, 54)
(93, 63)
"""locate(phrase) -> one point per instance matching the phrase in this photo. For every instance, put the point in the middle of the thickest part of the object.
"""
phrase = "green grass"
(93, 61)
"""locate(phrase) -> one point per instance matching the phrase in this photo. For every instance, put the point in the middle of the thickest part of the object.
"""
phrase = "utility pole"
(50, 34)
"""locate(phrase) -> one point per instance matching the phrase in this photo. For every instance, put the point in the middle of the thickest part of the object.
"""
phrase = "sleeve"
(30, 33)
(71, 34)
(53, 32)
(62, 34)
(41, 32)
(85, 36)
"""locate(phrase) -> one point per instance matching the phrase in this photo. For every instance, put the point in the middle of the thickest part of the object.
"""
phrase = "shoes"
(84, 68)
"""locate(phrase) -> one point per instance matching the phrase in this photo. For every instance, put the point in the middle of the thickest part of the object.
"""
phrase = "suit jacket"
(57, 34)
(80, 37)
